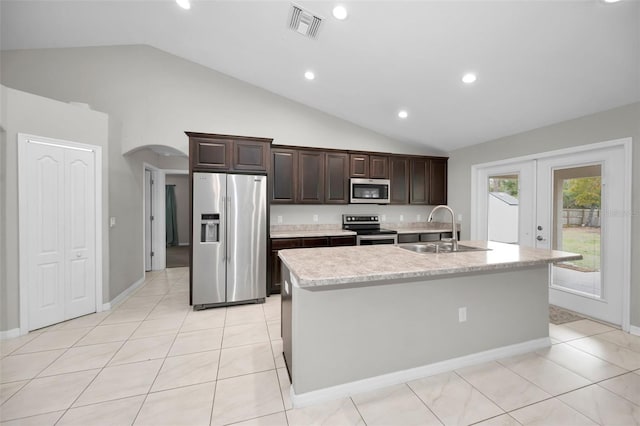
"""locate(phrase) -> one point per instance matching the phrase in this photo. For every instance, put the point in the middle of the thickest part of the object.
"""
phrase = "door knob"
(539, 238)
(539, 228)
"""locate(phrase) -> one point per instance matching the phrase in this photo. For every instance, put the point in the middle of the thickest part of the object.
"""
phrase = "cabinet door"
(310, 177)
(359, 165)
(399, 177)
(419, 181)
(336, 178)
(284, 165)
(378, 167)
(438, 181)
(250, 155)
(210, 154)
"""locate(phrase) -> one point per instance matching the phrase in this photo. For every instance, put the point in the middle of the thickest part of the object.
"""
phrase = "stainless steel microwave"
(369, 191)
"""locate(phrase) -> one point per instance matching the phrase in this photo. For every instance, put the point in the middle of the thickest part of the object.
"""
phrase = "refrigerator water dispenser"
(210, 228)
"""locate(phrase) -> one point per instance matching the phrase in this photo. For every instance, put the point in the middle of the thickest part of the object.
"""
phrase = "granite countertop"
(331, 266)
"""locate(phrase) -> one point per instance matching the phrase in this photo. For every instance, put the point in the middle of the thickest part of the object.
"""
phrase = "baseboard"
(122, 296)
(372, 383)
(9, 334)
(634, 330)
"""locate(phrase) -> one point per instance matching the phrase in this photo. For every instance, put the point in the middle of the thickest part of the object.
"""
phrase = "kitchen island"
(358, 318)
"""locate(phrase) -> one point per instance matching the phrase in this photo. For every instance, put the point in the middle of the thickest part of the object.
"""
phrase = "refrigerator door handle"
(230, 217)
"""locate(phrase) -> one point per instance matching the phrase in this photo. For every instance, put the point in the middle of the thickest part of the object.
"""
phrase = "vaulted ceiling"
(537, 62)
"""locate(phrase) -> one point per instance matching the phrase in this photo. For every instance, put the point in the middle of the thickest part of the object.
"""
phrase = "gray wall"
(181, 183)
(39, 116)
(152, 97)
(609, 125)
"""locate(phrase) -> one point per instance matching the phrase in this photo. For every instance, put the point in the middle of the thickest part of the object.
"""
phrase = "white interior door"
(590, 184)
(60, 202)
(45, 239)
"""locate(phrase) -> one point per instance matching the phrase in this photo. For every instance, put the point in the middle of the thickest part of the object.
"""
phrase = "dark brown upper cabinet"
(369, 166)
(359, 165)
(419, 181)
(378, 167)
(212, 152)
(399, 177)
(336, 178)
(438, 181)
(311, 177)
(284, 175)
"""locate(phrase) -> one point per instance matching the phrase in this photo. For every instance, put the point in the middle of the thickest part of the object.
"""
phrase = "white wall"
(181, 183)
(608, 125)
(31, 114)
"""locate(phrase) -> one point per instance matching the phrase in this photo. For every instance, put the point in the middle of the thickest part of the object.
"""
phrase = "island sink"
(439, 247)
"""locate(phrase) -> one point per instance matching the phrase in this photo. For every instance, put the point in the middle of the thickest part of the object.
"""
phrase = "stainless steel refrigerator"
(229, 239)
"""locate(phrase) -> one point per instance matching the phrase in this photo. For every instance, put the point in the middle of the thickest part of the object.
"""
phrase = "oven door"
(369, 240)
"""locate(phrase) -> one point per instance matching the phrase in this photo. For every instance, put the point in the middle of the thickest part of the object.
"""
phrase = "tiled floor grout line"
(357, 410)
(215, 390)
(158, 372)
(424, 403)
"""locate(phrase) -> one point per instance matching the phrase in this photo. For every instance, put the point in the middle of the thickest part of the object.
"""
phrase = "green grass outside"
(586, 241)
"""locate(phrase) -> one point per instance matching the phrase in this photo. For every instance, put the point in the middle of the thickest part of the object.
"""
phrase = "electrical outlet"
(401, 217)
(459, 218)
(279, 219)
(112, 222)
(383, 218)
(315, 217)
(418, 217)
(462, 314)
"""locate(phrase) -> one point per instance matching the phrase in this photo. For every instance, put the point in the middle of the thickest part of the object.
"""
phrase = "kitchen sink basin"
(439, 247)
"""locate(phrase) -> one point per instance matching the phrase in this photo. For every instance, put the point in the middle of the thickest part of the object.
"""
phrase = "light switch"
(112, 222)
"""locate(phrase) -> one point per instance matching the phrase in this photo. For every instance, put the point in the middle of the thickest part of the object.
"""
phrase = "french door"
(58, 231)
(580, 199)
(571, 200)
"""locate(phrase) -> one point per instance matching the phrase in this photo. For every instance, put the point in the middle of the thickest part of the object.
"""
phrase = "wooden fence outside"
(580, 217)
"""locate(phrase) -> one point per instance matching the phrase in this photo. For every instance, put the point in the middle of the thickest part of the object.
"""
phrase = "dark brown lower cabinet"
(274, 279)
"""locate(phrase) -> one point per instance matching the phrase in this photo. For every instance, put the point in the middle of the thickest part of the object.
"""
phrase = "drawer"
(430, 237)
(315, 242)
(408, 238)
(348, 240)
(285, 243)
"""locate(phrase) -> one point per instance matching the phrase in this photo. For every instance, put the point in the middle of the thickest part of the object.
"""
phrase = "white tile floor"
(155, 361)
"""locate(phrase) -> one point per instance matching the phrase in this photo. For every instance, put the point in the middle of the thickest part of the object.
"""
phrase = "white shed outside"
(503, 217)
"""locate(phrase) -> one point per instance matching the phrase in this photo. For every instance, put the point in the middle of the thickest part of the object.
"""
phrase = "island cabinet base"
(350, 338)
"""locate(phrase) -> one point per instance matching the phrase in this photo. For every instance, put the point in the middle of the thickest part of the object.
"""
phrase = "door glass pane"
(503, 208)
(577, 203)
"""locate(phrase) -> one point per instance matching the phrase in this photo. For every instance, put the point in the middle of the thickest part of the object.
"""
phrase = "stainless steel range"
(367, 228)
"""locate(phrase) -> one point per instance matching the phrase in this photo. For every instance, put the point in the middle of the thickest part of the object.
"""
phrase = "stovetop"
(368, 224)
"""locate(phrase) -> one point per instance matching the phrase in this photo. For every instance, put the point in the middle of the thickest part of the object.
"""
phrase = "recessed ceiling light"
(309, 75)
(611, 1)
(340, 13)
(469, 78)
(185, 4)
(403, 114)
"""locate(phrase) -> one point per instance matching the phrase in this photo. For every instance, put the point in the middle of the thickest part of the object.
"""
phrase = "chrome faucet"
(454, 231)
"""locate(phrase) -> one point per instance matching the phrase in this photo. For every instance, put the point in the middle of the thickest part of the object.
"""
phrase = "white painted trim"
(403, 376)
(23, 286)
(122, 296)
(634, 330)
(9, 334)
(626, 144)
(158, 245)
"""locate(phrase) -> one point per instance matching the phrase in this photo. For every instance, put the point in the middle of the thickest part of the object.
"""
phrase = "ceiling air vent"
(304, 22)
